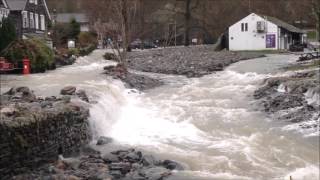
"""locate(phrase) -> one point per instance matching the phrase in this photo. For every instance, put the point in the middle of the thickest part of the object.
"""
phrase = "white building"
(258, 32)
(4, 10)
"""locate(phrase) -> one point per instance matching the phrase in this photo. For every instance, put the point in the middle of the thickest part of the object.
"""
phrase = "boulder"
(82, 95)
(8, 111)
(68, 90)
(104, 140)
(172, 165)
(110, 158)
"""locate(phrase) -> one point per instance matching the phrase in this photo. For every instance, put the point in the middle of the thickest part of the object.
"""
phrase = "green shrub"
(74, 51)
(7, 33)
(87, 50)
(40, 55)
(110, 56)
(87, 39)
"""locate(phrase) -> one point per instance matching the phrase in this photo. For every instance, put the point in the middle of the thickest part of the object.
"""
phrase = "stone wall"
(34, 131)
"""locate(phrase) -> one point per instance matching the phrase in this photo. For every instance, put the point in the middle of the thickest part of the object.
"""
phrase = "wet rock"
(155, 173)
(69, 90)
(286, 98)
(133, 156)
(104, 140)
(124, 168)
(8, 111)
(110, 158)
(116, 174)
(149, 160)
(172, 165)
(82, 95)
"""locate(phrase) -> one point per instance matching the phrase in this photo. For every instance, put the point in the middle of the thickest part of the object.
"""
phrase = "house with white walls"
(4, 10)
(259, 32)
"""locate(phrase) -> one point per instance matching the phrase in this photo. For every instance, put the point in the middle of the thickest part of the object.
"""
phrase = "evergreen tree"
(74, 29)
(7, 33)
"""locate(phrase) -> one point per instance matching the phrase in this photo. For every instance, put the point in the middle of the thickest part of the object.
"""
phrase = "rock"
(155, 173)
(172, 165)
(133, 156)
(116, 174)
(82, 95)
(8, 111)
(104, 140)
(110, 158)
(68, 90)
(149, 160)
(66, 99)
(124, 168)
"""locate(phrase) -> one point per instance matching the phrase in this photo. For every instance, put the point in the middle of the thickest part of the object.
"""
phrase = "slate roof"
(282, 24)
(16, 5)
(67, 17)
(3, 4)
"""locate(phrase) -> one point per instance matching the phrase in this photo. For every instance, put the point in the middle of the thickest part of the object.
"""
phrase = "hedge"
(40, 55)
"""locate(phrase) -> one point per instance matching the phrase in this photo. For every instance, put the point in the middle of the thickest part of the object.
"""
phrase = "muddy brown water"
(212, 124)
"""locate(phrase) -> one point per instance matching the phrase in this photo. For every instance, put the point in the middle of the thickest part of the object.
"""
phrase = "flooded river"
(212, 124)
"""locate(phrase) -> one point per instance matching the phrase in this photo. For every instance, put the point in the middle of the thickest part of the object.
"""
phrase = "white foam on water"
(309, 172)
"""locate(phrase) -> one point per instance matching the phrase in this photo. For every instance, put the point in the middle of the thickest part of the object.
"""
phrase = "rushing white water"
(210, 124)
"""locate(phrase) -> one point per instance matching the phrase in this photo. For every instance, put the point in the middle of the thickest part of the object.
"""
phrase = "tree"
(116, 19)
(316, 13)
(74, 29)
(7, 33)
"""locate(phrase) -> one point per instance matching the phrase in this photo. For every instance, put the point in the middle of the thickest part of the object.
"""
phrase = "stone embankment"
(37, 133)
(294, 98)
(36, 130)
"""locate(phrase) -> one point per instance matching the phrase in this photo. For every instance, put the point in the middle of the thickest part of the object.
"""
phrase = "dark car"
(138, 44)
(297, 47)
(149, 45)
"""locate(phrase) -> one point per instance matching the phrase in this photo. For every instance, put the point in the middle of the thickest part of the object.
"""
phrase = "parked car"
(138, 44)
(297, 47)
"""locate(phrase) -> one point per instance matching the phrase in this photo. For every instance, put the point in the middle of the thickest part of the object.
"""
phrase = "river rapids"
(212, 125)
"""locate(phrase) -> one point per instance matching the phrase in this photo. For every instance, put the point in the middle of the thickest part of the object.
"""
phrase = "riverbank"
(207, 124)
(193, 61)
(293, 97)
(36, 132)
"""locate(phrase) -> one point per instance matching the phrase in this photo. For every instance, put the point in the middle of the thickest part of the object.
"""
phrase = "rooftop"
(16, 5)
(67, 17)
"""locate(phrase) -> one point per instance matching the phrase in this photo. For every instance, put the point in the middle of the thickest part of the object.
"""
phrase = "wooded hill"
(208, 17)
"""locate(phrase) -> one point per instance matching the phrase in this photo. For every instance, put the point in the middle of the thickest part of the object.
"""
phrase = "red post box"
(26, 66)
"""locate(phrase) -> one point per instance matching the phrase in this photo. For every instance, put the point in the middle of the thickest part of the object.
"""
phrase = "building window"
(43, 23)
(37, 20)
(31, 20)
(244, 27)
(25, 21)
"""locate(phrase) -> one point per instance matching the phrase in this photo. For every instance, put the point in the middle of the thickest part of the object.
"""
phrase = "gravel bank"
(193, 61)
(294, 98)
